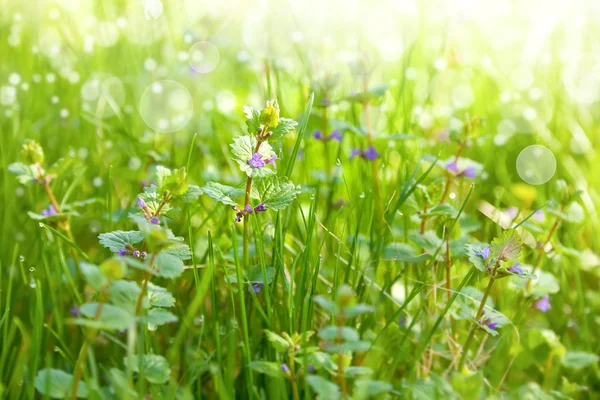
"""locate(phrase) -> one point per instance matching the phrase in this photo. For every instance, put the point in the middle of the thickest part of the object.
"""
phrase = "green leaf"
(579, 359)
(159, 316)
(352, 372)
(366, 388)
(323, 388)
(92, 275)
(252, 119)
(111, 317)
(154, 200)
(168, 266)
(276, 192)
(575, 213)
(174, 182)
(372, 94)
(507, 246)
(179, 250)
(125, 294)
(222, 193)
(159, 297)
(269, 115)
(58, 384)
(243, 148)
(357, 310)
(428, 241)
(327, 304)
(153, 368)
(445, 210)
(284, 127)
(33, 151)
(191, 195)
(279, 343)
(120, 240)
(119, 382)
(332, 333)
(25, 173)
(265, 367)
(255, 275)
(354, 346)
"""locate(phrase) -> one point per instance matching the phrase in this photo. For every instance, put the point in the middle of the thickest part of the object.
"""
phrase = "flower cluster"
(487, 322)
(469, 172)
(241, 213)
(543, 304)
(335, 135)
(369, 154)
(258, 161)
(50, 211)
(134, 253)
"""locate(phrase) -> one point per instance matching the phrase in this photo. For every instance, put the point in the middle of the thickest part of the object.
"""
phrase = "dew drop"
(32, 284)
(362, 195)
(31, 269)
(338, 162)
(22, 258)
(151, 327)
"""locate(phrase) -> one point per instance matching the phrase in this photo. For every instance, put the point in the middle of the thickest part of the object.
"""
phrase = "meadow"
(272, 199)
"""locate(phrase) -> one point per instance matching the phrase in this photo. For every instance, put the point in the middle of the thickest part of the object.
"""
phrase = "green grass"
(369, 281)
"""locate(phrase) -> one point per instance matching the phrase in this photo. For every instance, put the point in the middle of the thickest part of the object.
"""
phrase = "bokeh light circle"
(103, 95)
(582, 78)
(203, 57)
(166, 106)
(536, 164)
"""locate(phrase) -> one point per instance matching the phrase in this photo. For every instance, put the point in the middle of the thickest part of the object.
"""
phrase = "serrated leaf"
(154, 200)
(57, 384)
(243, 148)
(152, 367)
(323, 388)
(284, 127)
(507, 246)
(224, 194)
(280, 344)
(275, 191)
(474, 254)
(119, 240)
(267, 368)
(125, 294)
(159, 297)
(179, 250)
(252, 119)
(579, 359)
(428, 241)
(111, 317)
(159, 316)
(191, 195)
(440, 210)
(25, 173)
(168, 266)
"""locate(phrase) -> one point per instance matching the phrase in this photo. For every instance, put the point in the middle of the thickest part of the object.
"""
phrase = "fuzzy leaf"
(191, 195)
(281, 345)
(25, 173)
(159, 316)
(57, 384)
(332, 333)
(154, 368)
(243, 148)
(507, 246)
(252, 119)
(284, 127)
(111, 317)
(276, 192)
(92, 275)
(265, 367)
(473, 251)
(160, 297)
(118, 240)
(323, 388)
(179, 250)
(124, 294)
(168, 266)
(222, 193)
(579, 359)
(153, 200)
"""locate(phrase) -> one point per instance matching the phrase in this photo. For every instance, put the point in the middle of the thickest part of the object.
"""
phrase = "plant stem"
(294, 383)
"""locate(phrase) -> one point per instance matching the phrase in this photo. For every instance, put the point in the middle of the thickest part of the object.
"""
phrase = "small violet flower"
(141, 203)
(256, 161)
(543, 304)
(285, 369)
(336, 135)
(452, 167)
(515, 269)
(485, 253)
(154, 220)
(74, 311)
(271, 160)
(136, 253)
(355, 153)
(260, 207)
(255, 287)
(318, 135)
(143, 254)
(122, 252)
(469, 172)
(370, 153)
(50, 211)
(248, 209)
(311, 368)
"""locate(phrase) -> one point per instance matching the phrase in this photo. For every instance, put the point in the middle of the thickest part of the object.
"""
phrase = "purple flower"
(238, 218)
(485, 253)
(492, 325)
(543, 304)
(539, 215)
(285, 369)
(311, 368)
(74, 311)
(370, 153)
(143, 254)
(256, 161)
(137, 253)
(49, 212)
(469, 172)
(154, 220)
(255, 287)
(515, 269)
(248, 209)
(260, 207)
(318, 135)
(355, 153)
(336, 135)
(122, 252)
(271, 160)
(141, 203)
(452, 167)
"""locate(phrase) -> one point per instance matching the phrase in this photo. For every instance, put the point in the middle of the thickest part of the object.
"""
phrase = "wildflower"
(154, 220)
(485, 253)
(238, 218)
(248, 209)
(143, 254)
(311, 368)
(488, 322)
(452, 167)
(469, 172)
(355, 153)
(271, 160)
(543, 304)
(122, 252)
(74, 311)
(336, 135)
(515, 269)
(50, 211)
(370, 153)
(260, 207)
(318, 135)
(137, 253)
(492, 325)
(141, 203)
(256, 161)
(255, 287)
(539, 216)
(285, 369)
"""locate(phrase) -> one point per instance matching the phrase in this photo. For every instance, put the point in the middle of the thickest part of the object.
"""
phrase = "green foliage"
(507, 246)
(225, 194)
(151, 367)
(57, 384)
(110, 317)
(276, 192)
(120, 240)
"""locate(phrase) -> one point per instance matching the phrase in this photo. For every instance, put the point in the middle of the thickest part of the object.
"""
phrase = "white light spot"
(203, 57)
(536, 164)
